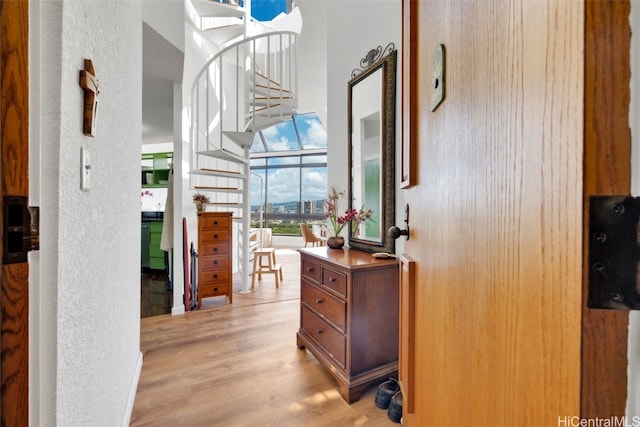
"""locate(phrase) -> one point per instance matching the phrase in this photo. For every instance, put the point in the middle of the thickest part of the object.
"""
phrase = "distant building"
(309, 207)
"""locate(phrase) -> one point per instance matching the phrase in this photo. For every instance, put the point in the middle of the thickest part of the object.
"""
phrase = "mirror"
(371, 121)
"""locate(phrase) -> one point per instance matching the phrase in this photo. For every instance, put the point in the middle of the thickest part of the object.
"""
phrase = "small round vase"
(335, 242)
(199, 207)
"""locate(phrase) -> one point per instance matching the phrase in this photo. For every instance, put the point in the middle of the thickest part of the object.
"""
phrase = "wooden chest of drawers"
(349, 315)
(215, 274)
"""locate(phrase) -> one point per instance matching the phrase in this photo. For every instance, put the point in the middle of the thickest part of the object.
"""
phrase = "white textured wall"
(89, 299)
(312, 59)
(355, 27)
(165, 16)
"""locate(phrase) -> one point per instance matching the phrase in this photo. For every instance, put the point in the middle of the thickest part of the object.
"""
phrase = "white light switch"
(85, 169)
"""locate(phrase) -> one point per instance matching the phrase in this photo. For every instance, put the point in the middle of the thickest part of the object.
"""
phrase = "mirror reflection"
(366, 154)
(372, 142)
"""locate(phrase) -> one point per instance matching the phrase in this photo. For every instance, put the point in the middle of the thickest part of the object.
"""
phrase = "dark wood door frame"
(14, 149)
(607, 145)
(607, 171)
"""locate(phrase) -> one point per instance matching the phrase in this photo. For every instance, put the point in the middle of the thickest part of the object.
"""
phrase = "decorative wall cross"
(89, 83)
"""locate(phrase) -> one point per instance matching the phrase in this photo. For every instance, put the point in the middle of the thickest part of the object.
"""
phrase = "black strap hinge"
(614, 252)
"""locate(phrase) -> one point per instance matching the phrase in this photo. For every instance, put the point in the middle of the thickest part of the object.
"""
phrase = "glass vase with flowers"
(337, 222)
(200, 200)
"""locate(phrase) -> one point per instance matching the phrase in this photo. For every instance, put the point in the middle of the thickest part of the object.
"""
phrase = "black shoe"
(395, 408)
(385, 391)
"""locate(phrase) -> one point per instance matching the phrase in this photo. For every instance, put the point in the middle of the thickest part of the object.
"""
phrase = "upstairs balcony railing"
(245, 87)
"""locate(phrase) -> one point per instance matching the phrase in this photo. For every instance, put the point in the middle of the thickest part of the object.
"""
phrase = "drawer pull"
(319, 300)
(309, 269)
(319, 331)
(215, 249)
(215, 276)
(215, 222)
(215, 289)
(332, 279)
(215, 236)
(215, 262)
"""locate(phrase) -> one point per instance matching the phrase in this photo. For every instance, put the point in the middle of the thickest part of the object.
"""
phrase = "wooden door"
(14, 295)
(497, 236)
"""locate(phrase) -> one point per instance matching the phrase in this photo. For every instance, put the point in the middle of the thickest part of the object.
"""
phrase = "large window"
(289, 181)
(266, 10)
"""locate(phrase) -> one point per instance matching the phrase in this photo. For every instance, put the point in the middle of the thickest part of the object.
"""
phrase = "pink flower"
(353, 216)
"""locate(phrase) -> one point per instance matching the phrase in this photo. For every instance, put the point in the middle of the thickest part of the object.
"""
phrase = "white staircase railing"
(246, 87)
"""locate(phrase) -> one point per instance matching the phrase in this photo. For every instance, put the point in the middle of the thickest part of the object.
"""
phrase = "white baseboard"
(177, 311)
(132, 393)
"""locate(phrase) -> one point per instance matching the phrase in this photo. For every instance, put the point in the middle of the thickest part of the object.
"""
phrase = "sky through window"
(266, 10)
(294, 177)
(302, 132)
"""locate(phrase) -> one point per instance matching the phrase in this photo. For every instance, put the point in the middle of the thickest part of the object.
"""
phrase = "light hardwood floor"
(239, 366)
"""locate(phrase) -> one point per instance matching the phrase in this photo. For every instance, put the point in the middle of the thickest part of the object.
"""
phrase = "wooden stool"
(264, 262)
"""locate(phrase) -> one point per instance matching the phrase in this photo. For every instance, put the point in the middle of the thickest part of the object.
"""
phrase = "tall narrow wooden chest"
(215, 273)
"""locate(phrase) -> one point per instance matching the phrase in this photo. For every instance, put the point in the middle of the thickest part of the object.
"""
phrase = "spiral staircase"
(248, 85)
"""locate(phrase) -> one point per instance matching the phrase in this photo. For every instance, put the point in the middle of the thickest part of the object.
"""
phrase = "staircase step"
(257, 123)
(273, 110)
(270, 91)
(225, 155)
(224, 33)
(266, 100)
(242, 139)
(274, 101)
(218, 172)
(264, 80)
(214, 8)
(273, 98)
(225, 205)
(220, 22)
(233, 190)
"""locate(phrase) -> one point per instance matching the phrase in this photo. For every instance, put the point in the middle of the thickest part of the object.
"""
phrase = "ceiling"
(162, 65)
